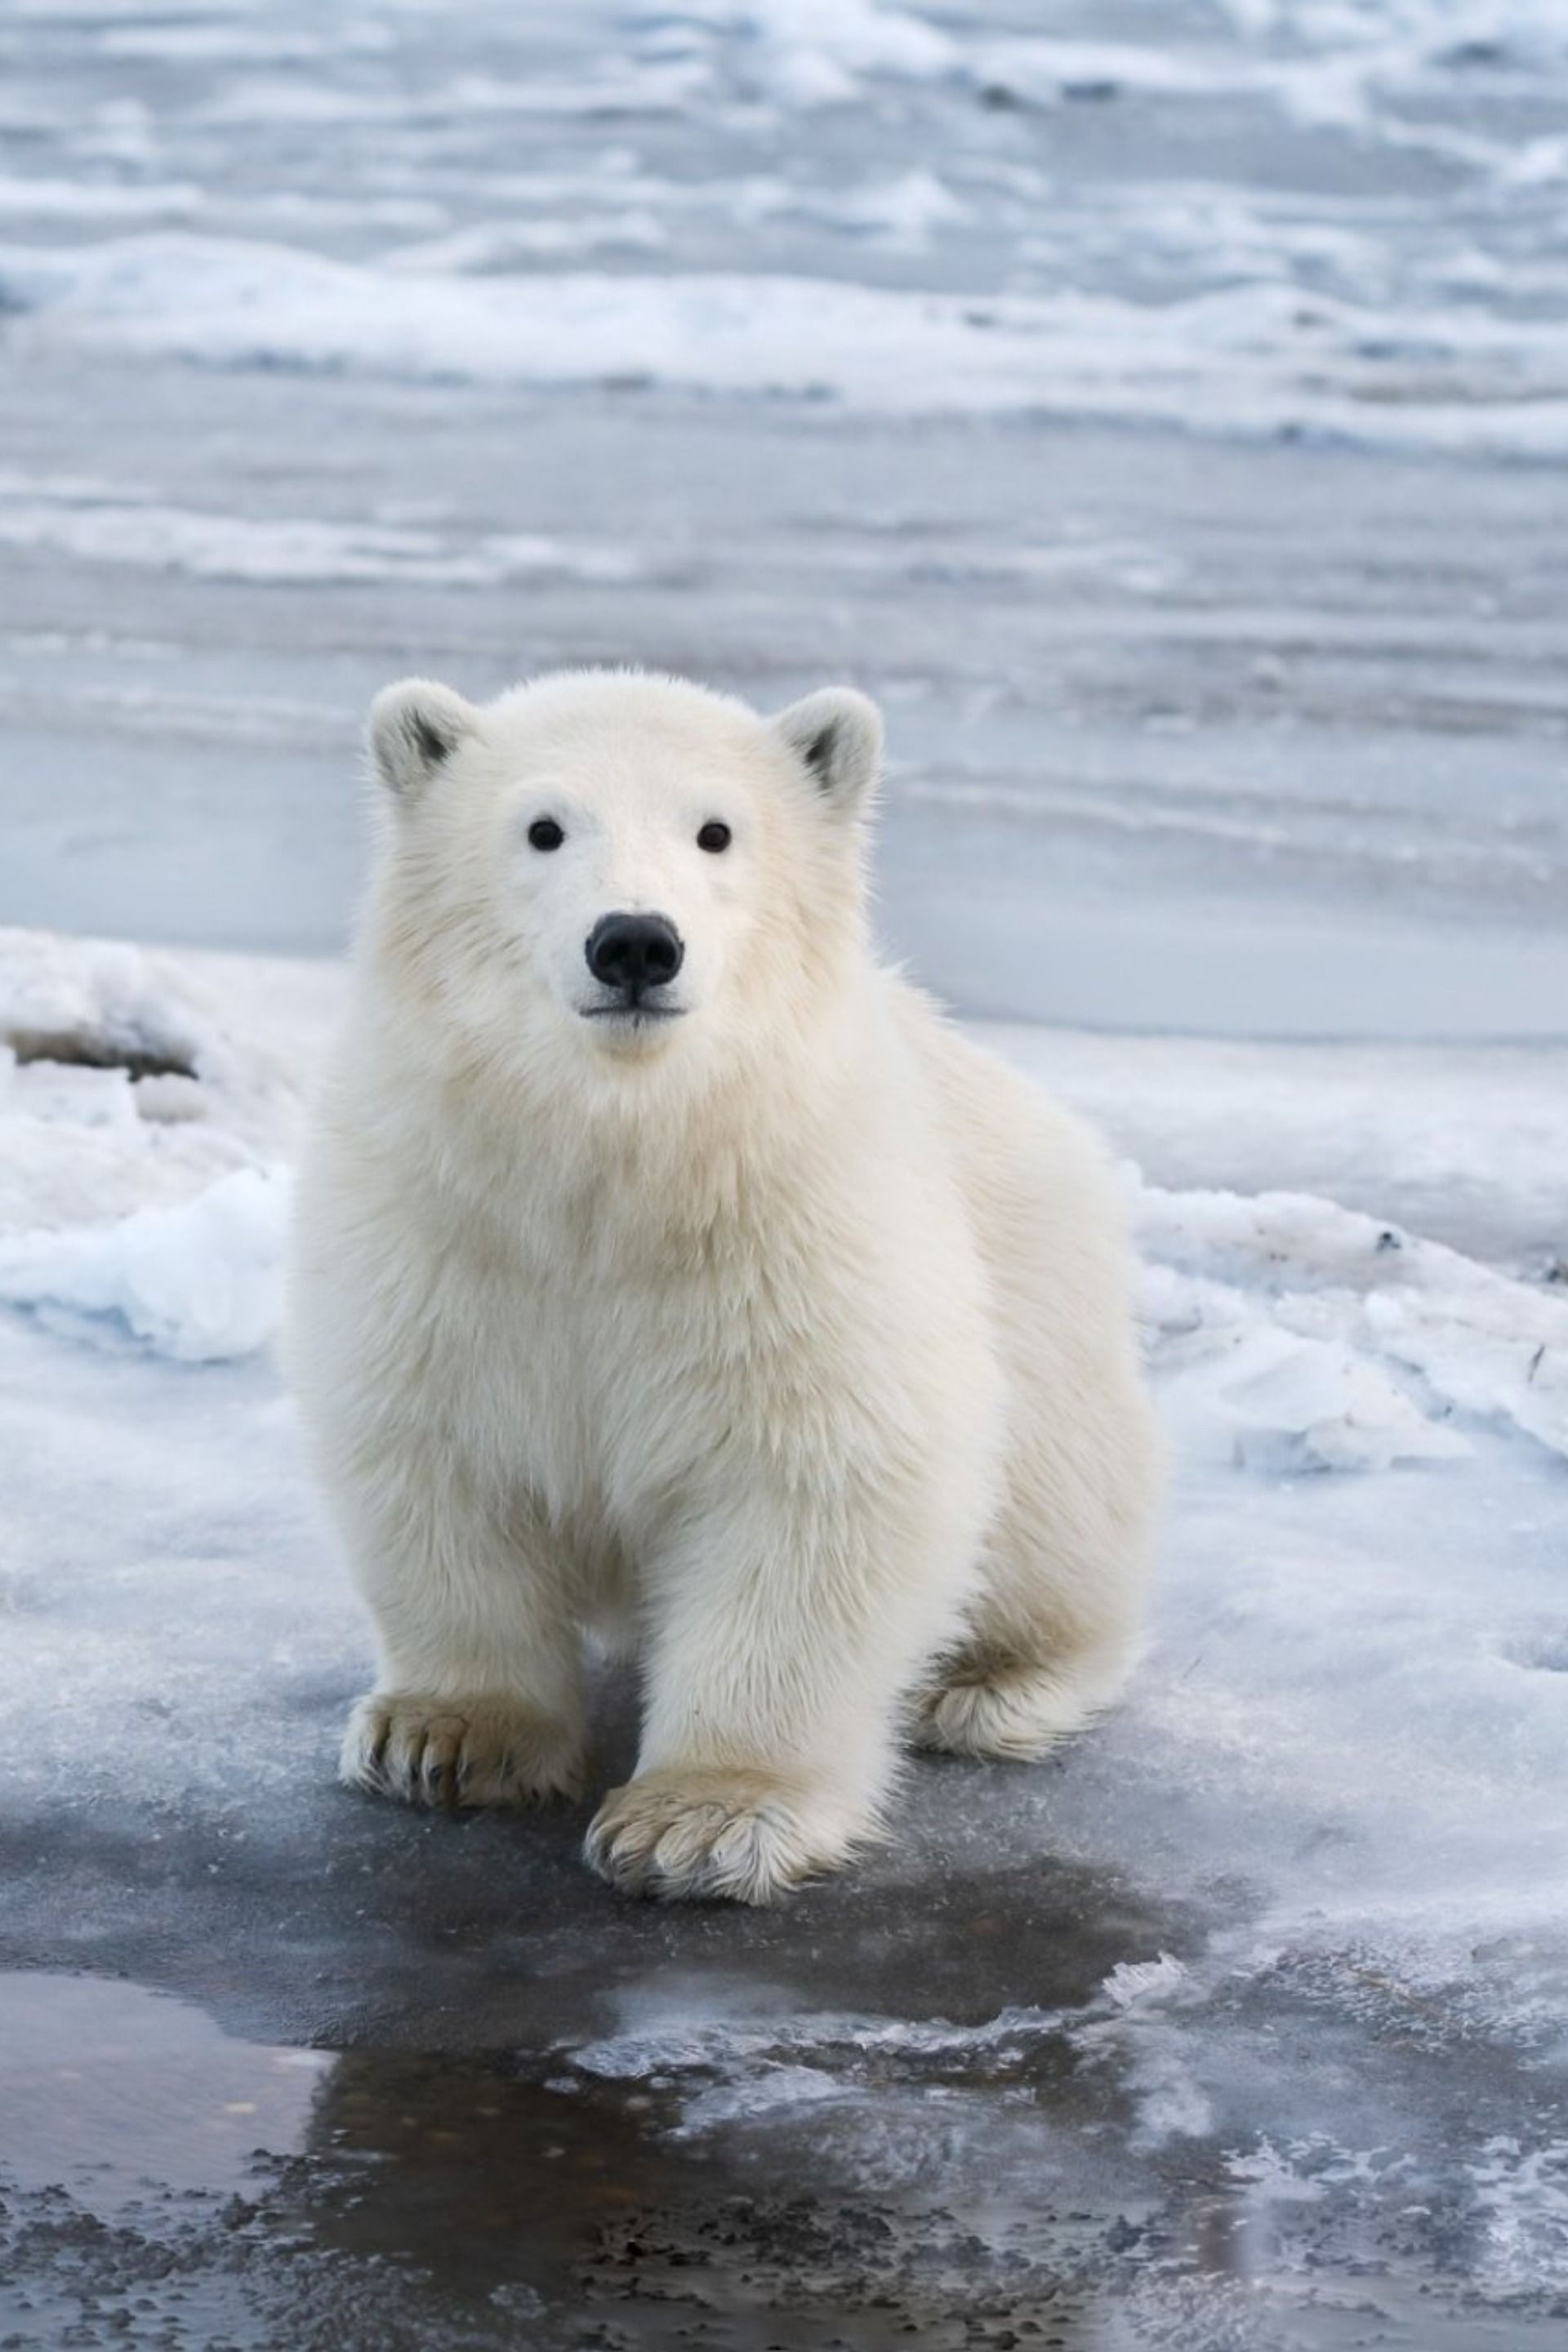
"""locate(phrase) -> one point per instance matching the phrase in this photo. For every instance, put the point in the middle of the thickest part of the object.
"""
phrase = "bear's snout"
(634, 954)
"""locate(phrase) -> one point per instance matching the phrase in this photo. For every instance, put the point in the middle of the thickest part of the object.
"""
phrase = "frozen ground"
(1161, 405)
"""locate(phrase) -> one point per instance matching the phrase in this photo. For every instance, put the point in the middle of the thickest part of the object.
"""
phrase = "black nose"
(634, 954)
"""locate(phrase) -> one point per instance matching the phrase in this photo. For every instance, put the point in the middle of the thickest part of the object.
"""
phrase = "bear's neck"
(672, 1155)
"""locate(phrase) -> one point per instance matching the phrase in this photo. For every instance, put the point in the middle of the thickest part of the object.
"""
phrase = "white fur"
(789, 1338)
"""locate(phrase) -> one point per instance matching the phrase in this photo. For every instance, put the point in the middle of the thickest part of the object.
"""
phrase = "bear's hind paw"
(1013, 1715)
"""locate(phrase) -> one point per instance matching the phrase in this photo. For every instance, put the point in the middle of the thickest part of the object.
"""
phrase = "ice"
(73, 200)
(810, 52)
(101, 525)
(1249, 360)
(1344, 1292)
(1522, 2194)
(198, 1284)
(131, 1082)
(1133, 1982)
(1337, 220)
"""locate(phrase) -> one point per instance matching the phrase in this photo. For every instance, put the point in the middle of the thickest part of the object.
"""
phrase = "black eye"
(545, 834)
(714, 836)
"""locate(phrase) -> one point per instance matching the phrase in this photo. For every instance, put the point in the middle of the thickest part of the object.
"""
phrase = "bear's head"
(611, 872)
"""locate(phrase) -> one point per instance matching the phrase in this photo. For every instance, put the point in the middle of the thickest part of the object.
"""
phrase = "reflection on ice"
(108, 2092)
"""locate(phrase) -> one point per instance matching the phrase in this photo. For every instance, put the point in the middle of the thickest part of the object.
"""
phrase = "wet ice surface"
(943, 2189)
(1150, 404)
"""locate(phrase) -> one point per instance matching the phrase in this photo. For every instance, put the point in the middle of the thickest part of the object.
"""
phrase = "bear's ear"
(836, 736)
(415, 728)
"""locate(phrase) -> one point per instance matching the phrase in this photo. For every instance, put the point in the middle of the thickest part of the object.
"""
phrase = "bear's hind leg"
(1055, 1626)
(1055, 1622)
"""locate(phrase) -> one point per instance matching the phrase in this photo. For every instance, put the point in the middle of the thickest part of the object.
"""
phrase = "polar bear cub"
(667, 1267)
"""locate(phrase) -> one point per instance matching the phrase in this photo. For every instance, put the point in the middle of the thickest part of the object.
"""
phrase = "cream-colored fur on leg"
(769, 1320)
(1056, 1616)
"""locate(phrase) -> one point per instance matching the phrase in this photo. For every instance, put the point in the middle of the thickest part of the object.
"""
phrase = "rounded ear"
(414, 727)
(836, 736)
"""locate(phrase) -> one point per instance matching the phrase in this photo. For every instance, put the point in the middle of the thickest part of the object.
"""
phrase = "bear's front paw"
(710, 1835)
(458, 1751)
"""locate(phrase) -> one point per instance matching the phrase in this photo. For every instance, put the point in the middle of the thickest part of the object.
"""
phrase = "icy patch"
(1133, 1983)
(198, 1284)
(97, 200)
(147, 1106)
(132, 1080)
(101, 525)
(493, 247)
(901, 214)
(744, 2071)
(1047, 70)
(1304, 1321)
(876, 2083)
(1463, 1144)
(664, 2035)
(806, 53)
(1126, 2026)
(607, 87)
(1521, 2194)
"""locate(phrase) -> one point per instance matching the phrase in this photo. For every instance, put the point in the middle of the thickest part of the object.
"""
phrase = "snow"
(813, 52)
(1310, 1313)
(197, 1284)
(93, 522)
(1240, 360)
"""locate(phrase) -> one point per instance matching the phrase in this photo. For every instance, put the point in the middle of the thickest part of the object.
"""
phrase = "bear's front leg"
(479, 1699)
(784, 1634)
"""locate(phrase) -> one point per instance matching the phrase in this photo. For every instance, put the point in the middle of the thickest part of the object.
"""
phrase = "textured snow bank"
(810, 52)
(196, 1283)
(147, 1104)
(1300, 1322)
(1247, 358)
(101, 525)
(1238, 218)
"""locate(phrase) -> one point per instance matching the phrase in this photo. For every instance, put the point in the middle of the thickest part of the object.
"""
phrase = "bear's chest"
(604, 1380)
